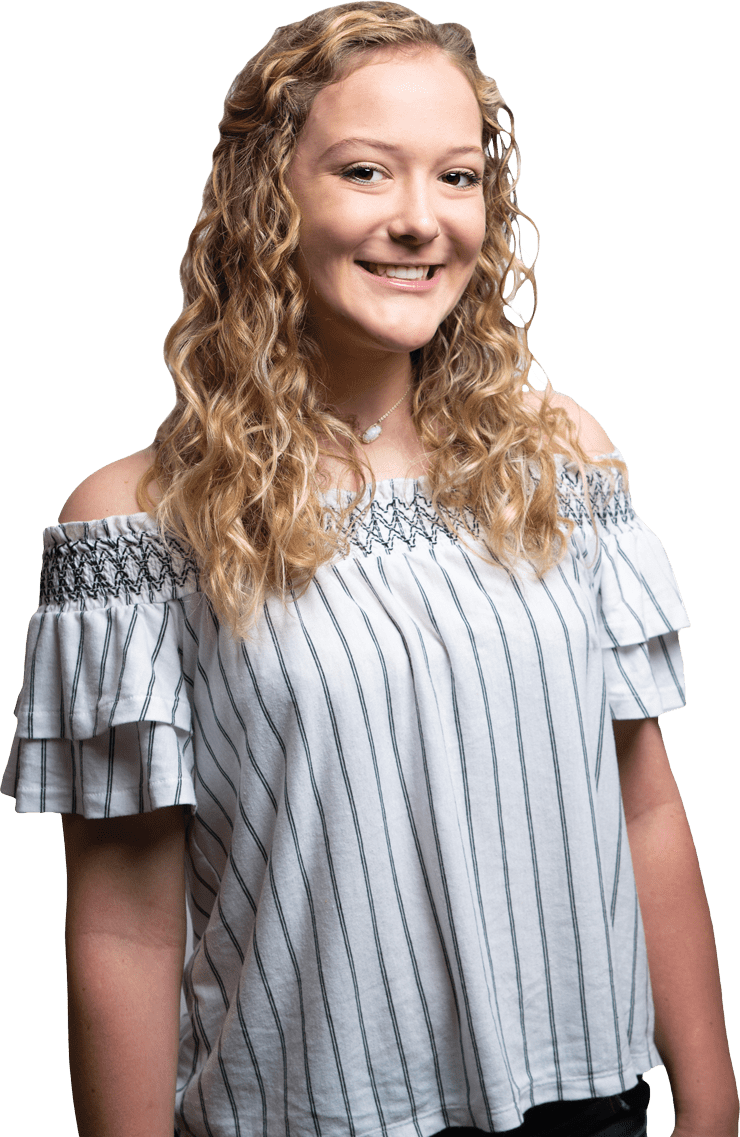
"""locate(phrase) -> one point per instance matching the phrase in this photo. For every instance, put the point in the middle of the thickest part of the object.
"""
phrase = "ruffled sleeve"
(639, 606)
(104, 724)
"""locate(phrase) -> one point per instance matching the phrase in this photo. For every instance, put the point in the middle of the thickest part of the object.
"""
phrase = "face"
(387, 176)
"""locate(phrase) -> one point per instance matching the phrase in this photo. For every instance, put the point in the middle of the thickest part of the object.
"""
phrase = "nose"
(415, 221)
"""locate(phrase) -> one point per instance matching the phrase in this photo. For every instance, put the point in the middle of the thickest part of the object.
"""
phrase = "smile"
(400, 272)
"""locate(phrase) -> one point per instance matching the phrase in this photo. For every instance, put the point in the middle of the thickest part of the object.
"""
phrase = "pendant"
(371, 433)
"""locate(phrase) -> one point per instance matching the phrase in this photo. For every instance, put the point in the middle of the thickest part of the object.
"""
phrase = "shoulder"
(109, 492)
(591, 435)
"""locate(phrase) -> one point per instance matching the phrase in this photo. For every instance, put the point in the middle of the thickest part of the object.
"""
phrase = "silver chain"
(371, 429)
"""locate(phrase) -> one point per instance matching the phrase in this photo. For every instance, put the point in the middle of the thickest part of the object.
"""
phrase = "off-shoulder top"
(409, 878)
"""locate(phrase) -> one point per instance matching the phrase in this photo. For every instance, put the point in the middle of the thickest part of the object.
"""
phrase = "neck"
(366, 385)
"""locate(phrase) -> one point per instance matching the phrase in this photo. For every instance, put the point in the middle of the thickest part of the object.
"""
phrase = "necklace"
(376, 429)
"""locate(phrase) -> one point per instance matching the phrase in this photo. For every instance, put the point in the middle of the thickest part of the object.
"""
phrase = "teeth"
(399, 272)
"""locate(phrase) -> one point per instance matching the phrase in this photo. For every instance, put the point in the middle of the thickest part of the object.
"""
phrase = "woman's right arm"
(125, 936)
(126, 925)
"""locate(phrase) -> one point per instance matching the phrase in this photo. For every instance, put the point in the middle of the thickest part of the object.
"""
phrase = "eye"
(363, 174)
(455, 178)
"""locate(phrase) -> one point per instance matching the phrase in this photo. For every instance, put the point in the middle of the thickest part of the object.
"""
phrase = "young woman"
(369, 667)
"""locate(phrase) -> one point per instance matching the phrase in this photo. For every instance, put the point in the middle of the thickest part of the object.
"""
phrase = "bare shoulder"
(109, 492)
(591, 435)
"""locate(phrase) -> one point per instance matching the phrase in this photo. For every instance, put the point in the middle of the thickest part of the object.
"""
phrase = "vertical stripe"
(307, 886)
(595, 837)
(384, 947)
(394, 871)
(360, 842)
(332, 871)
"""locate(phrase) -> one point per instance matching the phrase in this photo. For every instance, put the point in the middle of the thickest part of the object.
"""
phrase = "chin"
(404, 340)
(405, 347)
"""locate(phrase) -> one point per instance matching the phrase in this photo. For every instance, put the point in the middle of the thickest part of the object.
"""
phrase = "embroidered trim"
(412, 520)
(610, 501)
(409, 521)
(138, 564)
(131, 566)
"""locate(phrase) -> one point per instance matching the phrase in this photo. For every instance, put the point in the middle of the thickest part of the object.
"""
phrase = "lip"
(403, 285)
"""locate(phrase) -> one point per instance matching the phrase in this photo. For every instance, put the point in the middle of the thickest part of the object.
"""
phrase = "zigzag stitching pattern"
(133, 565)
(609, 499)
(387, 522)
(138, 565)
(397, 519)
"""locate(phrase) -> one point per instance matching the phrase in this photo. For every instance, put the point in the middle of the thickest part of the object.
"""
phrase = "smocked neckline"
(386, 489)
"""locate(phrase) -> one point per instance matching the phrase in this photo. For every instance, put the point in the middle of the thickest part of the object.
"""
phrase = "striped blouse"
(409, 879)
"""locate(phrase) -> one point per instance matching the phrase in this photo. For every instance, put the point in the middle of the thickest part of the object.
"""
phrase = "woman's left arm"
(689, 1020)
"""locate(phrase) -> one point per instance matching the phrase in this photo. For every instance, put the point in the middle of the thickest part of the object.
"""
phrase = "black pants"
(621, 1115)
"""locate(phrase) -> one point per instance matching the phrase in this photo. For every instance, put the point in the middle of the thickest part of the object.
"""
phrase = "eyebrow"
(378, 144)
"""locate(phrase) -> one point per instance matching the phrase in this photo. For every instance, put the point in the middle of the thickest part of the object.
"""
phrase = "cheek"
(478, 229)
(324, 254)
(325, 240)
(328, 223)
(468, 231)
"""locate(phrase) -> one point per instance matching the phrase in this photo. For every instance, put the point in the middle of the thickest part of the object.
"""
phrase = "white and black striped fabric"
(409, 877)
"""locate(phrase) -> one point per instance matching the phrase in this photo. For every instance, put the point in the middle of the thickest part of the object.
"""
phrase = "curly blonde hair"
(237, 460)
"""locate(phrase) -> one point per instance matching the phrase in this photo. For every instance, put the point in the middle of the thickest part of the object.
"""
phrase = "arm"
(689, 1021)
(125, 936)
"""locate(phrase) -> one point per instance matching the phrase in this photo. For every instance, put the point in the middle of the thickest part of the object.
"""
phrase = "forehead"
(397, 91)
